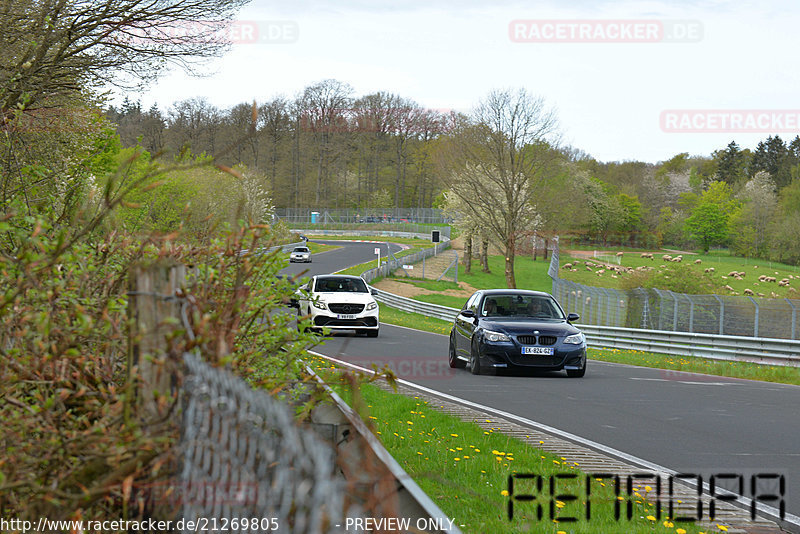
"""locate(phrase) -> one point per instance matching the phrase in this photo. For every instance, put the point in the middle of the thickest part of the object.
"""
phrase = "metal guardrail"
(735, 348)
(409, 500)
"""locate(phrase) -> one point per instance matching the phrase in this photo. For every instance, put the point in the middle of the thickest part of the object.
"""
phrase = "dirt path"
(410, 290)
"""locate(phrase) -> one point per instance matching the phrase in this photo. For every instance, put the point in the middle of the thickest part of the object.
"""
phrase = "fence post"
(755, 322)
(721, 314)
(153, 311)
(691, 313)
(794, 319)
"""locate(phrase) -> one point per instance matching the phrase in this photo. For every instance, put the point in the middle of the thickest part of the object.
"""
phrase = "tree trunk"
(468, 253)
(546, 241)
(511, 282)
(485, 255)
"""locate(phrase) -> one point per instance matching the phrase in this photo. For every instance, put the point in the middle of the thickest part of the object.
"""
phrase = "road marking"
(772, 512)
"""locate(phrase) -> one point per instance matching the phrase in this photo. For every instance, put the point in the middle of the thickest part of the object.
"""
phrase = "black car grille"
(531, 340)
(322, 320)
(346, 308)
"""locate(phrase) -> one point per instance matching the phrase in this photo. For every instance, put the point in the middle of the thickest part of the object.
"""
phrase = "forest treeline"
(327, 147)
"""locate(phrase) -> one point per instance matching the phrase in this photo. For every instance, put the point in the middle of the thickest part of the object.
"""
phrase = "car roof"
(515, 292)
(321, 276)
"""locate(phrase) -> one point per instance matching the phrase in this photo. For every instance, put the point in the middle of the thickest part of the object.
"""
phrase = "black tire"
(577, 373)
(372, 333)
(474, 361)
(455, 363)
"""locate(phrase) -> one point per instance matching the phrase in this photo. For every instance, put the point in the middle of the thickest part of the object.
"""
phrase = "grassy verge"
(316, 248)
(465, 469)
(414, 320)
(750, 371)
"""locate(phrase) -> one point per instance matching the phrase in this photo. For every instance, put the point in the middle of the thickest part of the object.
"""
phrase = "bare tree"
(53, 48)
(496, 161)
(325, 106)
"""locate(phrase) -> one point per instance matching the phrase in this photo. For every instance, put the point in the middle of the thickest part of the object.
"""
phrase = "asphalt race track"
(690, 423)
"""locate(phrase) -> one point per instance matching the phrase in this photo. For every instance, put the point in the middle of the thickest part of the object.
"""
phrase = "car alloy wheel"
(474, 361)
(452, 359)
(577, 373)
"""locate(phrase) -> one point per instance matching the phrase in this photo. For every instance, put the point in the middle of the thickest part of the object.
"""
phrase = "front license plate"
(545, 351)
(343, 316)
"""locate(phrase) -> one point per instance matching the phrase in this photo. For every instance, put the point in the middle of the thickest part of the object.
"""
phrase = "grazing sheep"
(771, 279)
(588, 268)
(792, 290)
(772, 294)
(666, 257)
(600, 272)
(644, 255)
(748, 292)
(762, 277)
(567, 266)
(698, 262)
(729, 288)
(724, 277)
(760, 294)
(742, 273)
(710, 270)
(733, 273)
(619, 255)
(677, 259)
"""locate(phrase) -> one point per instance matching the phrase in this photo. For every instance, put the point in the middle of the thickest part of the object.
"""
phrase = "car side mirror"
(373, 291)
(573, 317)
(468, 313)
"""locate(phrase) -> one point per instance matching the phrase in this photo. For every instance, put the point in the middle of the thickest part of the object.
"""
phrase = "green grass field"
(722, 262)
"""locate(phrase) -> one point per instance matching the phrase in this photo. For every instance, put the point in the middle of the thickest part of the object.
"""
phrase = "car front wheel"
(474, 361)
(577, 373)
(452, 359)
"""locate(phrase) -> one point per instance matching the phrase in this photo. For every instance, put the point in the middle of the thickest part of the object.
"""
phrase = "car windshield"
(539, 307)
(341, 285)
(300, 249)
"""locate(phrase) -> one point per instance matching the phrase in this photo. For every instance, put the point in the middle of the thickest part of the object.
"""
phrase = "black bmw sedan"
(510, 328)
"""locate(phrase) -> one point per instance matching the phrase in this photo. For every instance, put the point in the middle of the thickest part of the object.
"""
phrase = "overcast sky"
(612, 70)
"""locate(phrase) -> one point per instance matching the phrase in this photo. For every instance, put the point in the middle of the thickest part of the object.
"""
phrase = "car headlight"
(372, 306)
(489, 335)
(574, 339)
(319, 304)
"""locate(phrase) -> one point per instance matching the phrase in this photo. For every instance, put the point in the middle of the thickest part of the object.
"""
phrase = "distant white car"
(339, 302)
(300, 254)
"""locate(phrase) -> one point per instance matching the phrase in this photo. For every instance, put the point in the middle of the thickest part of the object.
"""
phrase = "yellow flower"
(560, 504)
(651, 518)
(668, 524)
(680, 531)
(454, 435)
(504, 493)
(419, 453)
(477, 450)
(457, 459)
(723, 528)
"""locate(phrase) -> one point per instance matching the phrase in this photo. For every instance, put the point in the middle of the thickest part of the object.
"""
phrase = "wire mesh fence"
(659, 309)
(395, 264)
(364, 215)
(243, 456)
